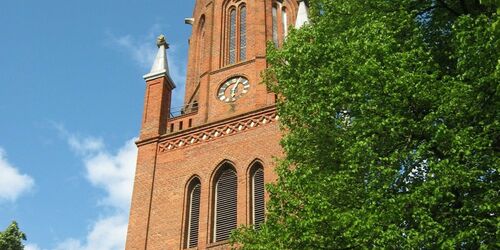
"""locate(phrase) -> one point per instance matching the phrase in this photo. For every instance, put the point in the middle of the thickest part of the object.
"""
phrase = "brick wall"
(175, 168)
(240, 133)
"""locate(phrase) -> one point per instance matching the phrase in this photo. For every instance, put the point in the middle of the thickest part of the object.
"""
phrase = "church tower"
(201, 168)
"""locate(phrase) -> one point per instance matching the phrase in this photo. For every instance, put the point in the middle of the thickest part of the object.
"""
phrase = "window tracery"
(235, 43)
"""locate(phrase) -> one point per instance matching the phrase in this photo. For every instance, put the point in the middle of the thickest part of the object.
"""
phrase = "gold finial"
(161, 41)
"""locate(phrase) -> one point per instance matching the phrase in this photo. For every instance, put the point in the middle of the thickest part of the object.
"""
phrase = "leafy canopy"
(390, 111)
(12, 237)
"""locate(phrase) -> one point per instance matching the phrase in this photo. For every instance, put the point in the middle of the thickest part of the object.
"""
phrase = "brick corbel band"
(211, 133)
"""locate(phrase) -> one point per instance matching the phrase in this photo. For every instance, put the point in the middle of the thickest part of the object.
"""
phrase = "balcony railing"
(184, 110)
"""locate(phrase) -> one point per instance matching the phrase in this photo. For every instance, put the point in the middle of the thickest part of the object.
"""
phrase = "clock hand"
(233, 90)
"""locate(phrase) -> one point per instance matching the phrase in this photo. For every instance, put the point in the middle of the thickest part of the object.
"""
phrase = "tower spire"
(160, 64)
(159, 87)
(302, 15)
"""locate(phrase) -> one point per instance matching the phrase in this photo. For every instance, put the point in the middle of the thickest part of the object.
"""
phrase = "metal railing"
(184, 110)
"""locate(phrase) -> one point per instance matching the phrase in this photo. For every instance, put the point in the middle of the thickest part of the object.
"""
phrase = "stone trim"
(216, 132)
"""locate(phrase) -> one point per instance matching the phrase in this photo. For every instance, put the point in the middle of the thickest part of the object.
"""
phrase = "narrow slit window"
(275, 26)
(284, 22)
(258, 206)
(243, 33)
(193, 218)
(232, 36)
(201, 49)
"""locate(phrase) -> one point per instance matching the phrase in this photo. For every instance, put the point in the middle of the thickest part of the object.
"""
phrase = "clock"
(233, 89)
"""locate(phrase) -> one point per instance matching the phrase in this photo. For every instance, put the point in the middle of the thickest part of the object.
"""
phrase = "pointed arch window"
(257, 194)
(235, 42)
(193, 214)
(282, 14)
(225, 207)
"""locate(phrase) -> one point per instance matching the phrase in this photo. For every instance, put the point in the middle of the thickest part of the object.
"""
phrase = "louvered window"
(193, 216)
(232, 36)
(275, 25)
(225, 205)
(243, 33)
(258, 206)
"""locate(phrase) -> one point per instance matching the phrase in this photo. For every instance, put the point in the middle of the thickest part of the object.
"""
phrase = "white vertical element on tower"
(160, 64)
(302, 15)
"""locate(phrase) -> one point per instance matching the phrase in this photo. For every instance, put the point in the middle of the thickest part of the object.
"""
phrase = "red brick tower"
(201, 169)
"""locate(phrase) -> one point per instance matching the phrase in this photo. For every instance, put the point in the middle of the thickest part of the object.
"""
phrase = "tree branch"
(428, 9)
(446, 6)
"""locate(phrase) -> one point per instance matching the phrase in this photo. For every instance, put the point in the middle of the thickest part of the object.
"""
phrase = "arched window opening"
(232, 36)
(193, 214)
(275, 25)
(284, 22)
(258, 205)
(225, 209)
(243, 33)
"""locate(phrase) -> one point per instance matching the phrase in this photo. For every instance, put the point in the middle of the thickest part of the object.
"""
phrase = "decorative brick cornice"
(220, 130)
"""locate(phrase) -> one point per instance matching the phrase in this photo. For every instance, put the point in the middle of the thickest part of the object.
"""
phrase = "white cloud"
(12, 183)
(86, 145)
(142, 51)
(82, 146)
(31, 247)
(114, 173)
(106, 234)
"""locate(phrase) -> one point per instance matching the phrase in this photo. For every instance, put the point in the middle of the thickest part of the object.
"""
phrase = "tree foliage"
(390, 111)
(12, 237)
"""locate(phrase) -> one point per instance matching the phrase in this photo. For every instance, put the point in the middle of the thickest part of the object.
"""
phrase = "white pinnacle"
(160, 65)
(302, 15)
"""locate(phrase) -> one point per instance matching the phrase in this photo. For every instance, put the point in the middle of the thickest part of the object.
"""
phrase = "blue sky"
(71, 98)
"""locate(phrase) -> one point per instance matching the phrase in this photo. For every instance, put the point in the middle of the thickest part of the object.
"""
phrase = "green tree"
(12, 237)
(390, 111)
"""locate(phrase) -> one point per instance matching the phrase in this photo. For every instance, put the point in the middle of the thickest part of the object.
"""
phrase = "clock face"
(233, 89)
